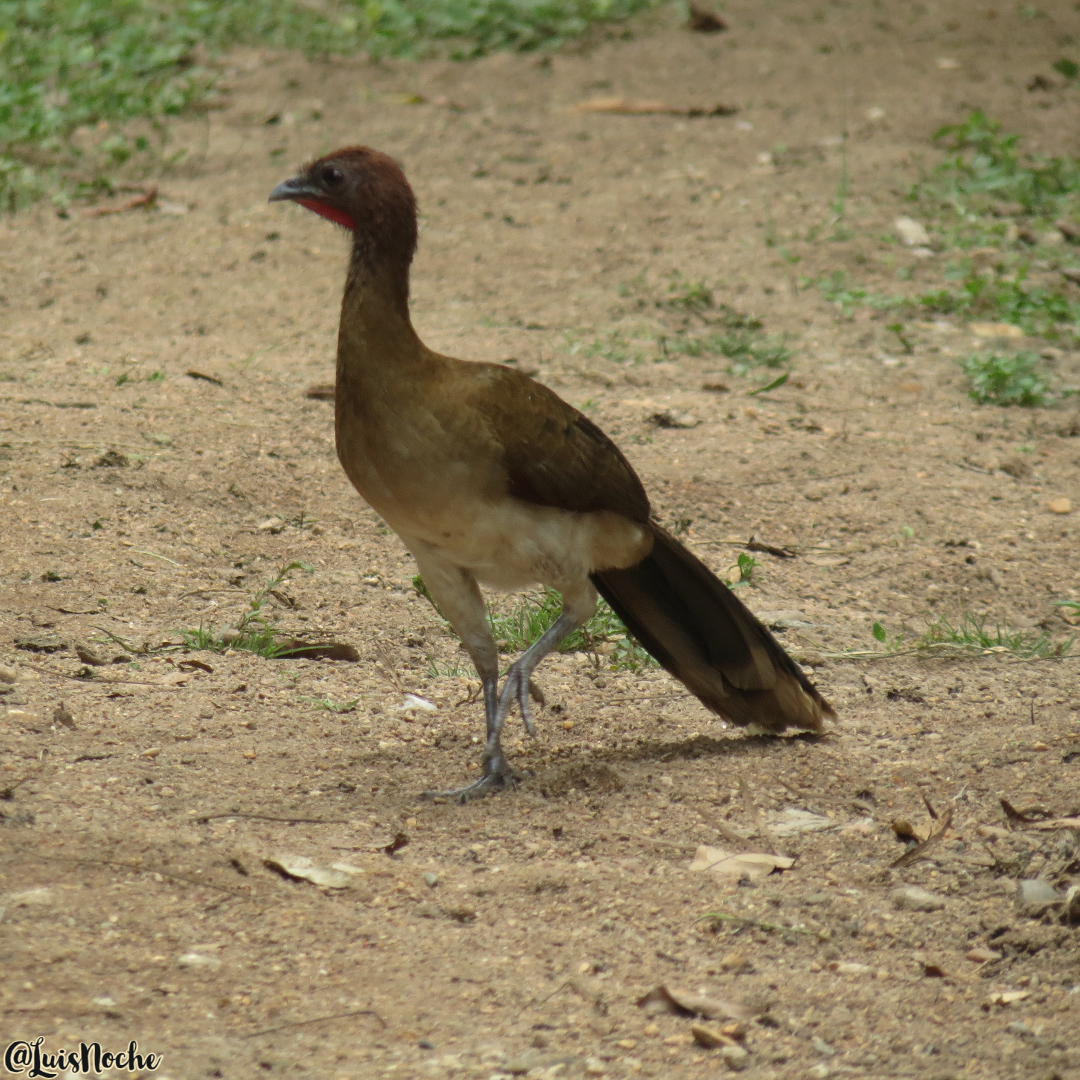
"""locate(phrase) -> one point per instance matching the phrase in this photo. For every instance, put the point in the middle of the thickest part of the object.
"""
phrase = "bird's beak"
(299, 187)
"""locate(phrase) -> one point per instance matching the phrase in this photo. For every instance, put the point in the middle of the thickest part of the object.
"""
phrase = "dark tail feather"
(696, 627)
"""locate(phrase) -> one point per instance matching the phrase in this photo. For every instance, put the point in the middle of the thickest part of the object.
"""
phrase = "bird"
(490, 479)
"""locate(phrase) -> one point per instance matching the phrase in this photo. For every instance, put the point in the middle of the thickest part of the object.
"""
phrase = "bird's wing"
(553, 455)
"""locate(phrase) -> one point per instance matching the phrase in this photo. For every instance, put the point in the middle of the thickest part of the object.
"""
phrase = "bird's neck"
(376, 339)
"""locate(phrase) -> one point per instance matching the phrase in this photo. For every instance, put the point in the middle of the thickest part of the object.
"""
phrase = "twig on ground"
(758, 818)
(315, 1020)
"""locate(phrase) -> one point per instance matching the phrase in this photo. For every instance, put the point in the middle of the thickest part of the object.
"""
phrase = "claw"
(499, 775)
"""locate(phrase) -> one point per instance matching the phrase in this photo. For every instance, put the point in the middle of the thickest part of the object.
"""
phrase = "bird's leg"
(458, 597)
(516, 686)
(579, 603)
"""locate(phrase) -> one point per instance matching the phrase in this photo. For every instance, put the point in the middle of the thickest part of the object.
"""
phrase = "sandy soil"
(139, 807)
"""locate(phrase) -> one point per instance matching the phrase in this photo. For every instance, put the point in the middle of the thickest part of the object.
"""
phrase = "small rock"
(271, 525)
(45, 643)
(822, 1047)
(982, 955)
(993, 832)
(1072, 905)
(847, 967)
(1034, 892)
(152, 752)
(199, 960)
(8, 675)
(675, 418)
(818, 1071)
(912, 232)
(1060, 506)
(947, 63)
(735, 1057)
(431, 879)
(1018, 1027)
(595, 1067)
(912, 898)
(736, 963)
(229, 635)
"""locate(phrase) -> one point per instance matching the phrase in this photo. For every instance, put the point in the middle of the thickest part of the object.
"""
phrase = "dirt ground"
(140, 803)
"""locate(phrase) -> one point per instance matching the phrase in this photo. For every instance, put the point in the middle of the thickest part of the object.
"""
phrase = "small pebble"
(431, 879)
(198, 960)
(818, 1071)
(912, 898)
(982, 955)
(736, 1057)
(1061, 506)
(1034, 892)
(8, 674)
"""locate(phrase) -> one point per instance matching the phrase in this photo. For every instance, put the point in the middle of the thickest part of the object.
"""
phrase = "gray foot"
(499, 775)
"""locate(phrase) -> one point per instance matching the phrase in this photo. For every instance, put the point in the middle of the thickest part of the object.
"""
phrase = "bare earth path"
(518, 933)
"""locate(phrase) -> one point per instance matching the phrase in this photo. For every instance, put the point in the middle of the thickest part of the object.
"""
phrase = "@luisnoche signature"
(30, 1059)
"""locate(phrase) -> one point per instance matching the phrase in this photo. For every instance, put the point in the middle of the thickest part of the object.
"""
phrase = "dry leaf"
(301, 868)
(792, 822)
(147, 198)
(632, 107)
(685, 1003)
(931, 841)
(995, 329)
(736, 865)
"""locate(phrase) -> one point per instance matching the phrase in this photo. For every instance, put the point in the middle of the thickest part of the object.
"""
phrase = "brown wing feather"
(554, 455)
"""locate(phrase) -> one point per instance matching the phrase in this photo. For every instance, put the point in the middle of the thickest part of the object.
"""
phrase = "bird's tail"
(696, 628)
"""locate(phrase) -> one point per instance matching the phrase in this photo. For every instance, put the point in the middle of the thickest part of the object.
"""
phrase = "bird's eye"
(331, 177)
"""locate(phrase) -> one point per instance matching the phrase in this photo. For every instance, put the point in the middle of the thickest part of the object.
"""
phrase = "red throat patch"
(331, 213)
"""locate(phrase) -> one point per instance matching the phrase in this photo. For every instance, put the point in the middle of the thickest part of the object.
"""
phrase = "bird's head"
(364, 191)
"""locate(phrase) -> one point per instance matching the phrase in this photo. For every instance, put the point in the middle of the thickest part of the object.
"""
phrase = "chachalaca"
(491, 479)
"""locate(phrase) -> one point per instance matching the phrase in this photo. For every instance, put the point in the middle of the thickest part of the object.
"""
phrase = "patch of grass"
(74, 74)
(1003, 294)
(452, 669)
(256, 629)
(837, 289)
(971, 635)
(998, 379)
(331, 706)
(534, 613)
(985, 165)
(616, 346)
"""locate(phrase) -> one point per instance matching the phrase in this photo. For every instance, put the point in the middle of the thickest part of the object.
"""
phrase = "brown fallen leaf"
(1069, 229)
(935, 838)
(205, 378)
(318, 650)
(685, 1003)
(146, 199)
(634, 107)
(1018, 816)
(704, 21)
(737, 865)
